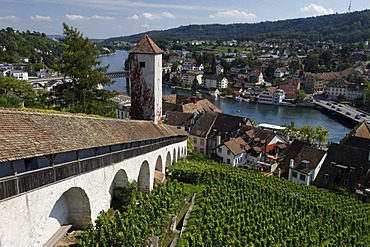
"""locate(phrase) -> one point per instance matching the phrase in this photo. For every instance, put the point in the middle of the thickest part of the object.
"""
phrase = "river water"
(260, 113)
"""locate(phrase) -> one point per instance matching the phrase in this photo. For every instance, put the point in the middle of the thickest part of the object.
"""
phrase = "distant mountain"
(348, 27)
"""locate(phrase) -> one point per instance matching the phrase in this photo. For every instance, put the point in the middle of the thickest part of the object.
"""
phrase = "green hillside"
(348, 27)
(235, 207)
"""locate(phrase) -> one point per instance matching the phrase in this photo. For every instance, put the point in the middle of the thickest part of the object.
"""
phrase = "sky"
(101, 19)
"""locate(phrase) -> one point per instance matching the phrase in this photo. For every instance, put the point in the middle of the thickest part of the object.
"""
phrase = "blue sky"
(113, 18)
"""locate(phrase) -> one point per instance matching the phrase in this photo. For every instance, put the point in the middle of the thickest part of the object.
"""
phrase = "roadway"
(346, 111)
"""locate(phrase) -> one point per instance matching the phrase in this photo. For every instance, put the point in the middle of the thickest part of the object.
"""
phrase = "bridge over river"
(345, 111)
(60, 170)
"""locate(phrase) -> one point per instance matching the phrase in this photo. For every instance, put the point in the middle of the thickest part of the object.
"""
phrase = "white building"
(213, 81)
(271, 96)
(20, 75)
(233, 152)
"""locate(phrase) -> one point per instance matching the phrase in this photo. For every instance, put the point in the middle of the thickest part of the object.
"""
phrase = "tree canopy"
(80, 92)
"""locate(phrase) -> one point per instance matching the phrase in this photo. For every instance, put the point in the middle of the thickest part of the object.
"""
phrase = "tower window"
(142, 64)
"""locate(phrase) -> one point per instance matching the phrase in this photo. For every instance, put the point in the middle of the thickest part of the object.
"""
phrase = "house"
(271, 96)
(343, 169)
(261, 144)
(182, 103)
(219, 69)
(212, 128)
(316, 82)
(280, 72)
(232, 152)
(123, 104)
(358, 137)
(20, 75)
(189, 76)
(336, 88)
(213, 81)
(182, 120)
(301, 162)
(290, 87)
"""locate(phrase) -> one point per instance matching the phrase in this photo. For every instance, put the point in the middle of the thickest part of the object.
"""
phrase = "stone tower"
(146, 80)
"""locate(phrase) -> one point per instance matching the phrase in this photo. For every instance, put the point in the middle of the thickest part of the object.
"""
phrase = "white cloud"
(134, 17)
(84, 18)
(317, 9)
(158, 16)
(9, 17)
(168, 15)
(98, 17)
(40, 18)
(150, 16)
(234, 14)
(76, 17)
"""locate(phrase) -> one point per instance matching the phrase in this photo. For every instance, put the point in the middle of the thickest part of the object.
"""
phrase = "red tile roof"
(25, 134)
(146, 46)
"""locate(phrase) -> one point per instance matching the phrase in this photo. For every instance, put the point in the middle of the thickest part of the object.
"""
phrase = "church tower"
(146, 80)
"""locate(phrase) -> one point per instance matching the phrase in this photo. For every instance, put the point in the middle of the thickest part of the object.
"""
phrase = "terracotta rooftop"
(146, 46)
(300, 151)
(25, 134)
(236, 146)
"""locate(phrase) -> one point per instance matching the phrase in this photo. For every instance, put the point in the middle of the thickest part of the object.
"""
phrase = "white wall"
(26, 219)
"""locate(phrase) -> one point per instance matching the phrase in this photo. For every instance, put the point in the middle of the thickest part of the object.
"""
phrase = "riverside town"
(167, 138)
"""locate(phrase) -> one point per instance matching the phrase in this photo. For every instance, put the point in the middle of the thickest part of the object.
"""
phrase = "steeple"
(146, 46)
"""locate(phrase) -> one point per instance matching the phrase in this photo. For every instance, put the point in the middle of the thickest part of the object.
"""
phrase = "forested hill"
(348, 27)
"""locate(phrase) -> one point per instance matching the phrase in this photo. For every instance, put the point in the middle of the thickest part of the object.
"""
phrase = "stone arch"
(159, 164)
(72, 208)
(174, 156)
(168, 160)
(143, 181)
(120, 181)
(159, 176)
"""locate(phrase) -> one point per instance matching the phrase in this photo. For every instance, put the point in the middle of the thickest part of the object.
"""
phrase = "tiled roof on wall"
(25, 134)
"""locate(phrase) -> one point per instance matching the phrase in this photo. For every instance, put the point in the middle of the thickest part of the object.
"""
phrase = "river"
(260, 113)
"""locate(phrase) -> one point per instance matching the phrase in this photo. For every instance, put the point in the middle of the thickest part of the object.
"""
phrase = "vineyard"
(235, 207)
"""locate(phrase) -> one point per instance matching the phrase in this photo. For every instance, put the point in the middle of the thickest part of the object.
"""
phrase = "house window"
(302, 177)
(195, 140)
(294, 174)
(346, 181)
(220, 150)
(142, 64)
(326, 176)
(202, 150)
(202, 142)
(228, 152)
(195, 149)
(228, 161)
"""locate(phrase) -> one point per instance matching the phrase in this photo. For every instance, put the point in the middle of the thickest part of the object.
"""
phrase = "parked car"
(357, 116)
(348, 113)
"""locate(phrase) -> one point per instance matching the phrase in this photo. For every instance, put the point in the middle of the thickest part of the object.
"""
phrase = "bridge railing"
(27, 181)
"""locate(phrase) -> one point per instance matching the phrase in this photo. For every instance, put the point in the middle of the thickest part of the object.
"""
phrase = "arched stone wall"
(120, 180)
(174, 156)
(168, 160)
(178, 153)
(143, 181)
(159, 164)
(72, 208)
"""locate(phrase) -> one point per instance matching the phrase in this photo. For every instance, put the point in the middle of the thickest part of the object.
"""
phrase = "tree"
(15, 93)
(301, 96)
(307, 133)
(321, 135)
(80, 93)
